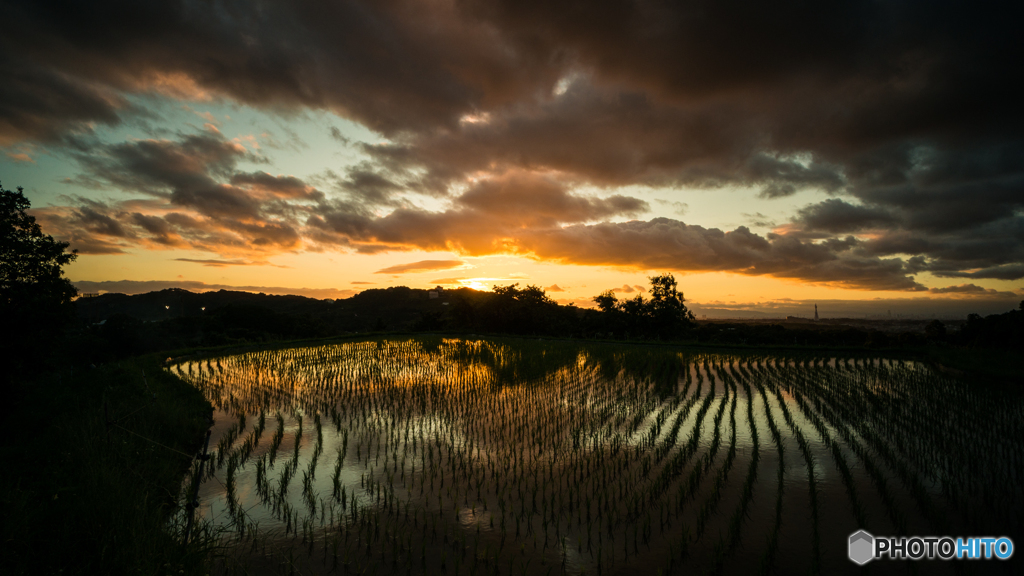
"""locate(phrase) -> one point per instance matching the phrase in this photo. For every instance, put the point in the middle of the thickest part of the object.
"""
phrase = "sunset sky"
(865, 156)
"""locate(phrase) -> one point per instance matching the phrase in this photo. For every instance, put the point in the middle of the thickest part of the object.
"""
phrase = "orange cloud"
(421, 266)
(222, 263)
(20, 157)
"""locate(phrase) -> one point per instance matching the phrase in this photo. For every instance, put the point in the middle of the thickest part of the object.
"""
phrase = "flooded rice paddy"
(455, 456)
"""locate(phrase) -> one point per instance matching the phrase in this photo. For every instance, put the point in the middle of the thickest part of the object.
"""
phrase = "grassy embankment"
(84, 497)
(1003, 366)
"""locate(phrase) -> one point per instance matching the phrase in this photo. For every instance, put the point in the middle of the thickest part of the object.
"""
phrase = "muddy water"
(448, 456)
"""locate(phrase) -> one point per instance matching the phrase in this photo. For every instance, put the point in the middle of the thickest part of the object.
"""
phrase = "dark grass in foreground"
(82, 497)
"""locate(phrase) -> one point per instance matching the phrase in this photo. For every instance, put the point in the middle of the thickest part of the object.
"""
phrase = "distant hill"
(388, 308)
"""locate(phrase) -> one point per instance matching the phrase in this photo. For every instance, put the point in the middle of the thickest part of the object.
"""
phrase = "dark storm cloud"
(536, 200)
(89, 216)
(1012, 271)
(667, 244)
(617, 137)
(837, 216)
(839, 79)
(288, 187)
(806, 76)
(987, 247)
(695, 48)
(941, 190)
(901, 111)
(42, 103)
(159, 167)
(367, 183)
(964, 289)
(391, 65)
(961, 210)
(199, 198)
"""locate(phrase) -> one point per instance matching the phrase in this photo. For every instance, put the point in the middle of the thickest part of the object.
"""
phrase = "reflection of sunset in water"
(586, 458)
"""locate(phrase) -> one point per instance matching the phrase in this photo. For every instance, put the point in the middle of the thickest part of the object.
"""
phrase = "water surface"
(428, 455)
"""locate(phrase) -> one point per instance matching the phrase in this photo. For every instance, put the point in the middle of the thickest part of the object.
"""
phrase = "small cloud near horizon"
(21, 157)
(972, 290)
(421, 266)
(221, 263)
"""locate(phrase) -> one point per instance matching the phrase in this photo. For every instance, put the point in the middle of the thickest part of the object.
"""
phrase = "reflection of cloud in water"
(439, 439)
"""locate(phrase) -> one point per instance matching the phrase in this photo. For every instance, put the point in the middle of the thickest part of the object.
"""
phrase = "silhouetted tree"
(520, 310)
(606, 301)
(666, 308)
(35, 296)
(663, 315)
(635, 307)
(935, 330)
(30, 262)
(995, 331)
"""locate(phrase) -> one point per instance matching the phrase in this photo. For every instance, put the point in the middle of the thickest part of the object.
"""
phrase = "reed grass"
(84, 497)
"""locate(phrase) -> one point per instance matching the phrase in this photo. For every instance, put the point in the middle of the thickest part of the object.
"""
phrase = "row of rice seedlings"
(941, 440)
(819, 384)
(767, 563)
(228, 440)
(930, 425)
(811, 483)
(569, 450)
(710, 504)
(749, 483)
(906, 474)
(877, 476)
(278, 438)
(837, 457)
(690, 487)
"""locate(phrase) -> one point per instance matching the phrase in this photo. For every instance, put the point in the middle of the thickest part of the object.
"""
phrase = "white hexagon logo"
(862, 547)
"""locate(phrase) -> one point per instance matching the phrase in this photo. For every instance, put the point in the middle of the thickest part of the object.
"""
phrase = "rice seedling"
(503, 456)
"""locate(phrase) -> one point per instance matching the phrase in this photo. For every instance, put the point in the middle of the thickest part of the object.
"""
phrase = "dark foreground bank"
(94, 460)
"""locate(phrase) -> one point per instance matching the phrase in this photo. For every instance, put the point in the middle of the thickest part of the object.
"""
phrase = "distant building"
(815, 312)
(432, 294)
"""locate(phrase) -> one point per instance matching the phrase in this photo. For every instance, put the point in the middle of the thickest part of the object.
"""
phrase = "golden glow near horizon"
(335, 275)
(460, 160)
